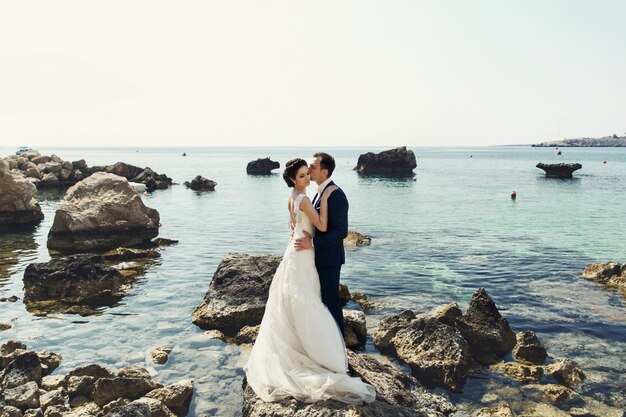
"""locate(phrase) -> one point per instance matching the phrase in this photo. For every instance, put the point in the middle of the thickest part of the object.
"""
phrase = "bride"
(300, 351)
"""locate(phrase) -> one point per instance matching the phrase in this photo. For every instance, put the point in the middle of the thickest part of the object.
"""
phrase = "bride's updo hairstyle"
(291, 168)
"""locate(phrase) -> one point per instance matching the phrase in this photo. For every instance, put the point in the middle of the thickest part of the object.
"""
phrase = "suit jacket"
(329, 251)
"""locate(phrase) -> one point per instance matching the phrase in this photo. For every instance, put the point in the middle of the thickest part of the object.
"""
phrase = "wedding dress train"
(300, 351)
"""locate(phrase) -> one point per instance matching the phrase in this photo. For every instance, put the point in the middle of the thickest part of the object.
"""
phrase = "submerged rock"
(99, 213)
(18, 208)
(76, 279)
(199, 183)
(559, 170)
(399, 161)
(262, 166)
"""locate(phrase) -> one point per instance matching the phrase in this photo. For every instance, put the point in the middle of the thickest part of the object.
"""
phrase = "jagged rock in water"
(559, 170)
(399, 161)
(262, 166)
(199, 183)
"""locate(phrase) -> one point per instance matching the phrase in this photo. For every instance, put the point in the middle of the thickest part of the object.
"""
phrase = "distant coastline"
(607, 141)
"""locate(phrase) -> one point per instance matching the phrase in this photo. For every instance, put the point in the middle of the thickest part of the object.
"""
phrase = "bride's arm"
(320, 221)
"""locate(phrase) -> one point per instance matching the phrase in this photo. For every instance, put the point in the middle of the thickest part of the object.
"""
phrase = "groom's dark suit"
(329, 252)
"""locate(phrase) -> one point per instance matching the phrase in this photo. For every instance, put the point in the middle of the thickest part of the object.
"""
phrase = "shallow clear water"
(437, 237)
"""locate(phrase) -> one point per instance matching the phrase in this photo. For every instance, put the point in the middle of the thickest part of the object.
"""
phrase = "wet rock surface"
(607, 273)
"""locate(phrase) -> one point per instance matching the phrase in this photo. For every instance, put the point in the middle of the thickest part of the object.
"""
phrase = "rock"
(41, 159)
(9, 411)
(50, 398)
(262, 166)
(389, 327)
(49, 180)
(18, 207)
(94, 370)
(56, 411)
(608, 273)
(156, 408)
(88, 409)
(356, 239)
(559, 170)
(160, 355)
(520, 372)
(133, 371)
(11, 346)
(199, 183)
(237, 293)
(52, 382)
(135, 409)
(75, 279)
(247, 334)
(437, 353)
(102, 212)
(566, 372)
(33, 412)
(397, 388)
(108, 389)
(24, 368)
(399, 161)
(4, 325)
(344, 294)
(555, 393)
(49, 361)
(500, 410)
(23, 396)
(355, 329)
(177, 397)
(528, 349)
(80, 385)
(80, 164)
(447, 313)
(487, 333)
(33, 172)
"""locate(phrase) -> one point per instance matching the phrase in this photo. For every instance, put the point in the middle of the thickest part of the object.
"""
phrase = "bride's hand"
(328, 191)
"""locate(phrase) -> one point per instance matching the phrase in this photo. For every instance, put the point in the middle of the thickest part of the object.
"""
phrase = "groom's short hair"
(326, 162)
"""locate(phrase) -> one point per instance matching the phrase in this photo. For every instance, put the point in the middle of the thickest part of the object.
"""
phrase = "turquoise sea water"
(437, 237)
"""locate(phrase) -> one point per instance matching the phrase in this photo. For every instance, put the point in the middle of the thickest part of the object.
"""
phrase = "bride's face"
(303, 178)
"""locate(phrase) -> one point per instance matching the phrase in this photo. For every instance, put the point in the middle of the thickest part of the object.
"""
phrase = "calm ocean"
(436, 238)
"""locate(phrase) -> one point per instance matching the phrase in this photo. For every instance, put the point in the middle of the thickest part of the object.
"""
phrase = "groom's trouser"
(329, 285)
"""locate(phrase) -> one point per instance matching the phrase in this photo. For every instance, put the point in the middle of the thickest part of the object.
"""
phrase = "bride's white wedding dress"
(300, 351)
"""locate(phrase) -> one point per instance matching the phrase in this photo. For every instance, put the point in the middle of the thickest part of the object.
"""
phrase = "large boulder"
(237, 294)
(399, 161)
(488, 333)
(75, 279)
(199, 183)
(17, 205)
(559, 170)
(102, 212)
(262, 166)
(436, 352)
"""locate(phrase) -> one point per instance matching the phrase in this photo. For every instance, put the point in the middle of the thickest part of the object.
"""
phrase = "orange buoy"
(513, 195)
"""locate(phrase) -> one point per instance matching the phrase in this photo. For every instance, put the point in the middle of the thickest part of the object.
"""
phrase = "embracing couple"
(300, 351)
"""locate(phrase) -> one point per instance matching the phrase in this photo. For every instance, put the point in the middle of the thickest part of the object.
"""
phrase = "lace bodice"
(303, 223)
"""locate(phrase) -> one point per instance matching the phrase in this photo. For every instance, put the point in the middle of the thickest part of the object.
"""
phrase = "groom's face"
(317, 174)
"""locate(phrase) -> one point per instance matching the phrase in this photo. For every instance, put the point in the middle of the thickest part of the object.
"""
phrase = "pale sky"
(302, 73)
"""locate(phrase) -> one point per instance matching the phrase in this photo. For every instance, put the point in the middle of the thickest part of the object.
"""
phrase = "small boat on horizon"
(23, 149)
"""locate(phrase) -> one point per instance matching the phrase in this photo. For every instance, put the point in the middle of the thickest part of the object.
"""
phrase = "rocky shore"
(606, 141)
(30, 388)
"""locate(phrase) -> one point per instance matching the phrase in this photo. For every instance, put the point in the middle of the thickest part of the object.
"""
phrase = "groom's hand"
(304, 242)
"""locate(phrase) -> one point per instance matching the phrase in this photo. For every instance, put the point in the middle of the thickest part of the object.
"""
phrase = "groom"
(329, 252)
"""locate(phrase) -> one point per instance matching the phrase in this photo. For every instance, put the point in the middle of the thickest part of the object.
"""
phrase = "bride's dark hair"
(291, 168)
